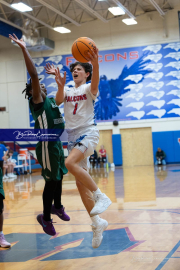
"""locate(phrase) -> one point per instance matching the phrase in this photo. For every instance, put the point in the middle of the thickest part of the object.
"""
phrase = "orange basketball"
(81, 47)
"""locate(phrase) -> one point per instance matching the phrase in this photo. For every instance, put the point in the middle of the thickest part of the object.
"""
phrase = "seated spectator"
(160, 156)
(3, 152)
(11, 164)
(8, 165)
(102, 155)
(5, 167)
(93, 159)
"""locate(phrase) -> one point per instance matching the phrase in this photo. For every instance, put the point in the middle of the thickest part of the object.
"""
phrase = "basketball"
(81, 47)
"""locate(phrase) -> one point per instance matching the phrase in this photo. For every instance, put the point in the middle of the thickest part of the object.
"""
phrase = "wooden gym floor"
(143, 231)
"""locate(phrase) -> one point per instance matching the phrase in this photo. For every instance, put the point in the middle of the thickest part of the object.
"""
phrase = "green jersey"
(1, 183)
(50, 154)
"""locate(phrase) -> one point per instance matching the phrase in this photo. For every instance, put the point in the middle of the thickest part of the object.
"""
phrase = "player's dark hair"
(87, 67)
(27, 90)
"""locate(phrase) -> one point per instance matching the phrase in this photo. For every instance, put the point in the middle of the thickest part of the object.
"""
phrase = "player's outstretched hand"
(50, 69)
(93, 56)
(20, 42)
(59, 79)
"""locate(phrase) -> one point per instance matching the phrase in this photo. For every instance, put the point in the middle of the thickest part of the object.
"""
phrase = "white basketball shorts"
(84, 139)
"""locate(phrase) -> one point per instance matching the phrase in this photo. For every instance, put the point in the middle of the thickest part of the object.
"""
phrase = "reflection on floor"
(144, 221)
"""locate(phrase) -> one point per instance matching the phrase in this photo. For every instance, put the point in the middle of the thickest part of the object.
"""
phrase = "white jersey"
(79, 107)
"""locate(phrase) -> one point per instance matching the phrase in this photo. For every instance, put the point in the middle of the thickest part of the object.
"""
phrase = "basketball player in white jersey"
(83, 136)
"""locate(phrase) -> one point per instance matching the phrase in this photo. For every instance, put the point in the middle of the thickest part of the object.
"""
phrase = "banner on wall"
(135, 83)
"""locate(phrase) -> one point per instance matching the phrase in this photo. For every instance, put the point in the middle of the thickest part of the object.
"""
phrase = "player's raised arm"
(60, 95)
(95, 74)
(37, 98)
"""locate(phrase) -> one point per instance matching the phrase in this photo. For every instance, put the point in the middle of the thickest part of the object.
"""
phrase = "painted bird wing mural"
(106, 106)
(109, 102)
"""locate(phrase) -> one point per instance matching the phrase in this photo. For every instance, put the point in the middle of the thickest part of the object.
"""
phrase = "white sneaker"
(3, 242)
(97, 232)
(102, 202)
(5, 178)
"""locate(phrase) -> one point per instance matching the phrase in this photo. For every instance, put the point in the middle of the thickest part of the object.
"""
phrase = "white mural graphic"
(175, 111)
(173, 46)
(154, 57)
(153, 67)
(39, 70)
(174, 92)
(157, 103)
(175, 74)
(174, 55)
(135, 87)
(156, 85)
(157, 95)
(156, 76)
(158, 113)
(153, 48)
(38, 61)
(136, 96)
(135, 78)
(175, 65)
(50, 77)
(174, 83)
(54, 59)
(136, 105)
(175, 102)
(136, 114)
(54, 85)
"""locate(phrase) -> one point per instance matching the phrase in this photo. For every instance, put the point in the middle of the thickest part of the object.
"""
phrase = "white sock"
(97, 192)
(95, 220)
(1, 232)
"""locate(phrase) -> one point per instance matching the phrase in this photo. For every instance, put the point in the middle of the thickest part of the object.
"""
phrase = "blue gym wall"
(117, 149)
(167, 141)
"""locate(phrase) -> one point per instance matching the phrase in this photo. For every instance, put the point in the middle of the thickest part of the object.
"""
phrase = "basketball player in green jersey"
(3, 242)
(50, 154)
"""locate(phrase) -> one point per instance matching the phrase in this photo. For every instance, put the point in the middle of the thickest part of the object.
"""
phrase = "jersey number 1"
(75, 108)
